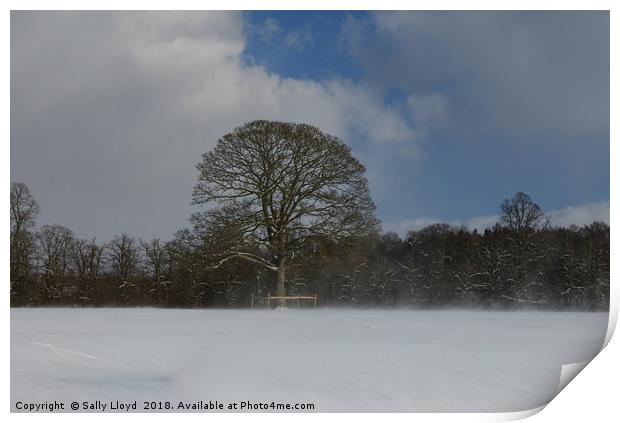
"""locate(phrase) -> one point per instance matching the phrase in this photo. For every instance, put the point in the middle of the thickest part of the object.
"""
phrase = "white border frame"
(590, 396)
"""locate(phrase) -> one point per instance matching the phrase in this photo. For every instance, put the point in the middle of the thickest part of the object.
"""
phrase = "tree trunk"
(280, 286)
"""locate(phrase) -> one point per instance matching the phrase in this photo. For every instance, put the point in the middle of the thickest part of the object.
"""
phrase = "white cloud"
(111, 111)
(403, 227)
(581, 215)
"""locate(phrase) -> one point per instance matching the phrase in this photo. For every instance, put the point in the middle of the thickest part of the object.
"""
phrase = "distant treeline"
(521, 262)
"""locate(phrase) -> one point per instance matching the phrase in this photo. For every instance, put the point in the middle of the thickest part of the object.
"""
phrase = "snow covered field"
(340, 360)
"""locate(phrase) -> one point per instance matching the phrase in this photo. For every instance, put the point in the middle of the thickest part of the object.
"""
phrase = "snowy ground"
(340, 360)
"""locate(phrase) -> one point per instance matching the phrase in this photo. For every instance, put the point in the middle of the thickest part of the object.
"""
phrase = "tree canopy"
(279, 185)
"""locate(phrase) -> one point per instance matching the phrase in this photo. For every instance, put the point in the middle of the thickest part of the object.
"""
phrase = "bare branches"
(520, 213)
(286, 172)
(86, 257)
(24, 208)
(230, 255)
(124, 257)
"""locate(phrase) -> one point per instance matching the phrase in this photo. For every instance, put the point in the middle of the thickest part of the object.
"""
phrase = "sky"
(450, 112)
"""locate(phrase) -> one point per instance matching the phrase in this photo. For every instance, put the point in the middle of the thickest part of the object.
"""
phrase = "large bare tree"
(278, 185)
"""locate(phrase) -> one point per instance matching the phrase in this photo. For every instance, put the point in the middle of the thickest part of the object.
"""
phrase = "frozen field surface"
(340, 360)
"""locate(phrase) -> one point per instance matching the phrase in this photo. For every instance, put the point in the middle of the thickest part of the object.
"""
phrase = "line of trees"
(289, 212)
(523, 261)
